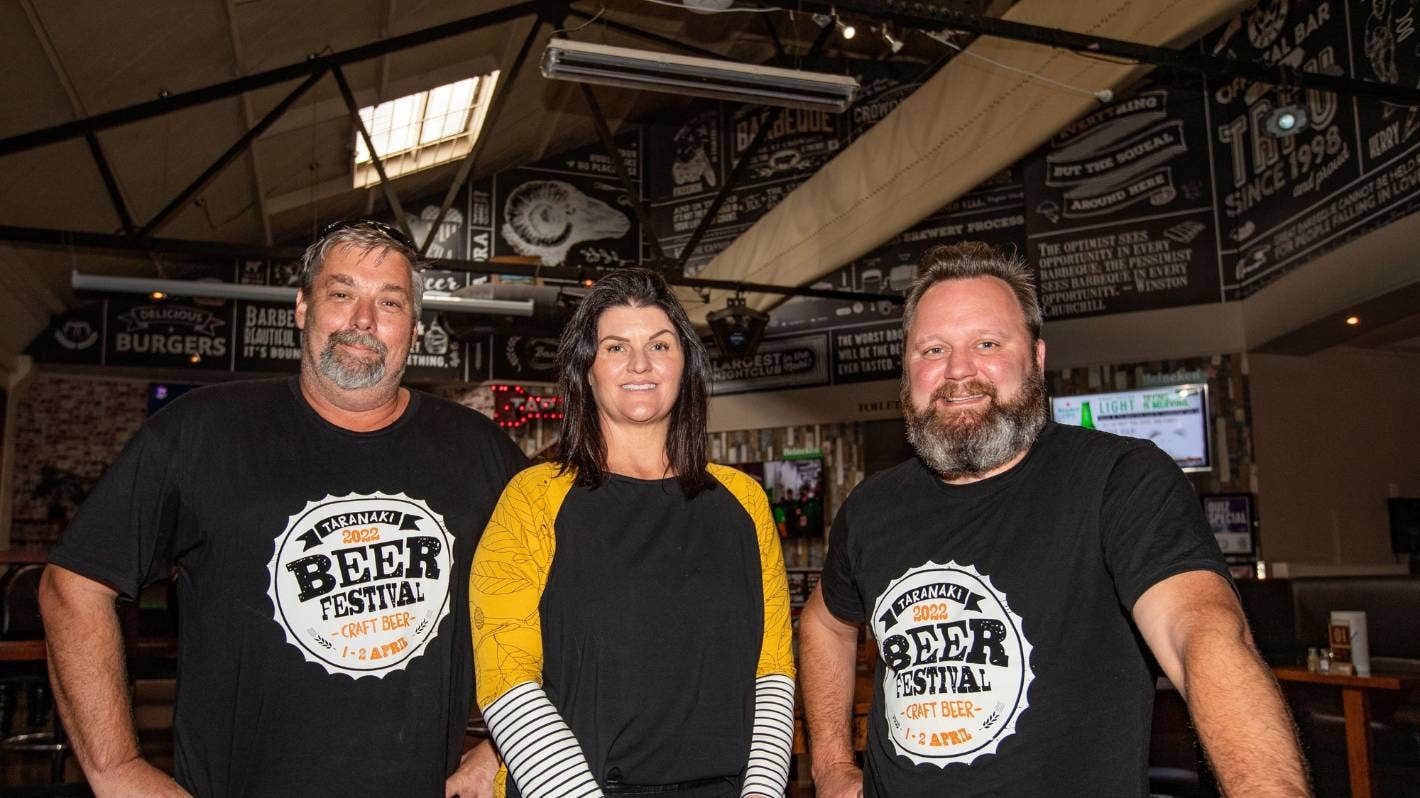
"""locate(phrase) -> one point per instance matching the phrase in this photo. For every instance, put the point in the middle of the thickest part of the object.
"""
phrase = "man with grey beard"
(321, 528)
(1014, 578)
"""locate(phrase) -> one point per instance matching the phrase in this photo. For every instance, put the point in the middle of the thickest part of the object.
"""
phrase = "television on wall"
(1174, 417)
(795, 489)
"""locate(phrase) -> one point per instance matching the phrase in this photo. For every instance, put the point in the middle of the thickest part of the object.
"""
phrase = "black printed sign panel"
(1117, 209)
(571, 210)
(867, 353)
(75, 336)
(524, 358)
(451, 239)
(798, 142)
(778, 363)
(685, 155)
(1265, 185)
(267, 337)
(172, 333)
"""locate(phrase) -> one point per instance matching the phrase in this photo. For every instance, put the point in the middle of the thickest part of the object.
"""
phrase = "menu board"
(1174, 417)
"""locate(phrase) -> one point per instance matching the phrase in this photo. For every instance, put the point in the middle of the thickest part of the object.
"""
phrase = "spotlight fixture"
(1353, 320)
(586, 62)
(847, 29)
(737, 327)
(157, 295)
(1286, 120)
(892, 41)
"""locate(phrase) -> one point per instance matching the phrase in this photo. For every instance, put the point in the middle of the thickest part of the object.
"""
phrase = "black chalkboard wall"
(1172, 195)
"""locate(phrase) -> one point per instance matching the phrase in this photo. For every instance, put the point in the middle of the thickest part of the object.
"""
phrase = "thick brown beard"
(971, 444)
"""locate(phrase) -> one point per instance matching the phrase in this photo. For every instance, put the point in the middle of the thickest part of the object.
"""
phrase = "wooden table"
(33, 650)
(1356, 698)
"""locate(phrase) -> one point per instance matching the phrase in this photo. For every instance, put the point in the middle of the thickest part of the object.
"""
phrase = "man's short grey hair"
(365, 237)
(970, 259)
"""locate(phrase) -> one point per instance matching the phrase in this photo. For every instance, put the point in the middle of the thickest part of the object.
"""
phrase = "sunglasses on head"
(389, 231)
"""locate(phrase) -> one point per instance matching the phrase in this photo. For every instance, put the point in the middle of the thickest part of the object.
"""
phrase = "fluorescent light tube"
(273, 293)
(586, 62)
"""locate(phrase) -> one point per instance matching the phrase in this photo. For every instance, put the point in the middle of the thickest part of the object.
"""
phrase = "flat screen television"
(795, 489)
(1174, 417)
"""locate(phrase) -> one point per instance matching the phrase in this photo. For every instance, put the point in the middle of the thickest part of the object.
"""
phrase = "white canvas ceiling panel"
(966, 123)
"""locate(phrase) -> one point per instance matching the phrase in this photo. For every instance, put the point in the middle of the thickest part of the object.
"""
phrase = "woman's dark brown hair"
(582, 447)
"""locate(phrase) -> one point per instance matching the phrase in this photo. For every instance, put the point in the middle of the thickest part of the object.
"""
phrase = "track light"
(892, 41)
(1286, 120)
(845, 29)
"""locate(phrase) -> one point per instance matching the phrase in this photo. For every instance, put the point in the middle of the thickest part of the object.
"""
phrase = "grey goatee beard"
(352, 373)
(971, 444)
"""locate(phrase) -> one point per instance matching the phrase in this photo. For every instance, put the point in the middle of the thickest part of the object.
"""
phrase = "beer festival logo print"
(956, 665)
(360, 583)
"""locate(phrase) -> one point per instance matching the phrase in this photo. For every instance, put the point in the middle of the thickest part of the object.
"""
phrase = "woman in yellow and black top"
(631, 613)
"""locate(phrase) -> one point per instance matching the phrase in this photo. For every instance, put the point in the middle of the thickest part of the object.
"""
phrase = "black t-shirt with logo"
(1007, 660)
(322, 580)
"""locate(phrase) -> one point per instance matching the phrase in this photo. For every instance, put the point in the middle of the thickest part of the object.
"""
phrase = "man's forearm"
(87, 669)
(827, 649)
(1242, 720)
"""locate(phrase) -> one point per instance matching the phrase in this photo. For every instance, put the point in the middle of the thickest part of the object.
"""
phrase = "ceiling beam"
(506, 78)
(111, 185)
(227, 157)
(227, 250)
(268, 78)
(638, 203)
(926, 17)
(239, 66)
(390, 196)
(622, 27)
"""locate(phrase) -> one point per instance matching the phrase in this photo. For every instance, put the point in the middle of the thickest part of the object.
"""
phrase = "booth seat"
(1288, 616)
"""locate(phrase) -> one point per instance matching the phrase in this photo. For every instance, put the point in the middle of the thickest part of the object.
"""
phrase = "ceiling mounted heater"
(585, 62)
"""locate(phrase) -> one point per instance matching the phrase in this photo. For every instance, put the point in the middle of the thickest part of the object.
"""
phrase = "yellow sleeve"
(509, 574)
(776, 652)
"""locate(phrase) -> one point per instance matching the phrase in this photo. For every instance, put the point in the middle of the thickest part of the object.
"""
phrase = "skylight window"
(423, 130)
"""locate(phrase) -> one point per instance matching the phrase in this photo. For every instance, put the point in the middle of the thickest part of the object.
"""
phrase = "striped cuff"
(541, 752)
(773, 737)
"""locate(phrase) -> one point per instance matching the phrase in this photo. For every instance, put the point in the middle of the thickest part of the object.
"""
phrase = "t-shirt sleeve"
(123, 533)
(509, 574)
(776, 653)
(1152, 524)
(840, 593)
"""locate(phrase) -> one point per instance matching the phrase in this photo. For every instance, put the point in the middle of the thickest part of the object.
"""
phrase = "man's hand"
(135, 779)
(838, 780)
(474, 777)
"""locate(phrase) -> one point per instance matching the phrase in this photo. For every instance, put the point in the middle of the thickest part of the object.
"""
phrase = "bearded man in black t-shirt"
(321, 528)
(1007, 575)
